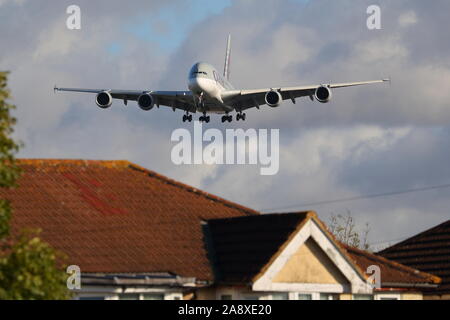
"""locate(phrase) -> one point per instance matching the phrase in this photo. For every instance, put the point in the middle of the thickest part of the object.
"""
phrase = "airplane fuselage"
(207, 85)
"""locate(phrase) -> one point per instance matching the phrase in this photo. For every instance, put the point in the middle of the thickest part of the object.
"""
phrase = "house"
(429, 251)
(293, 256)
(135, 234)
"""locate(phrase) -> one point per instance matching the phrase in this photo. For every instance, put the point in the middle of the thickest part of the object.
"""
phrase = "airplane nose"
(194, 85)
(197, 85)
(206, 86)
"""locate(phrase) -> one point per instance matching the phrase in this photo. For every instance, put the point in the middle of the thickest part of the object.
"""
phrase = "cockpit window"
(199, 72)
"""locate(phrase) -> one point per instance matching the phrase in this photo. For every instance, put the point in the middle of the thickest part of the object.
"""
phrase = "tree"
(344, 229)
(30, 271)
(29, 267)
(9, 172)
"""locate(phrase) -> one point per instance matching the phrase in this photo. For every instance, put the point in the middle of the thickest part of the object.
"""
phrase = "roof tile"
(428, 251)
(116, 217)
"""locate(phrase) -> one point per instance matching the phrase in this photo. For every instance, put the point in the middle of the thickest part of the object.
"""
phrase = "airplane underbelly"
(214, 108)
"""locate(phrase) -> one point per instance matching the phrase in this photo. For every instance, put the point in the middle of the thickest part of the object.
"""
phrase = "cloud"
(367, 140)
(407, 19)
(16, 2)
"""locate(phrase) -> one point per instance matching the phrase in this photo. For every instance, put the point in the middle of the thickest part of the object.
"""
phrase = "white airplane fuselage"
(207, 86)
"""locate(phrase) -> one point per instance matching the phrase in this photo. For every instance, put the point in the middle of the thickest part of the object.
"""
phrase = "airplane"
(212, 93)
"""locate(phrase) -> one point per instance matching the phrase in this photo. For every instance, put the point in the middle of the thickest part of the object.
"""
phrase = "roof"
(244, 247)
(116, 217)
(428, 251)
(153, 279)
(393, 274)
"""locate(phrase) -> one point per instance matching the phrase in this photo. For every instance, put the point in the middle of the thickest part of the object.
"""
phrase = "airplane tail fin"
(226, 70)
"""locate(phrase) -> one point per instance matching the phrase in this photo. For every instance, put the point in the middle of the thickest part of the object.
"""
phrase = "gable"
(310, 264)
(339, 273)
(242, 246)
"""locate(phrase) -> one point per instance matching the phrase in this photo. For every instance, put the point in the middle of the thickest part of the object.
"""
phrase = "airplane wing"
(245, 99)
(182, 100)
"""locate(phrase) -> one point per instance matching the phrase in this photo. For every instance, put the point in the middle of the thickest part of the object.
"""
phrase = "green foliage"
(5, 216)
(30, 271)
(9, 172)
(29, 268)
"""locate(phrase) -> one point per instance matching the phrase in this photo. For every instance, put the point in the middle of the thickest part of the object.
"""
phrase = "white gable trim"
(310, 287)
(311, 229)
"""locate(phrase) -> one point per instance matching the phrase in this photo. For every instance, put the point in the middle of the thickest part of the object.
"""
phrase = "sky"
(367, 140)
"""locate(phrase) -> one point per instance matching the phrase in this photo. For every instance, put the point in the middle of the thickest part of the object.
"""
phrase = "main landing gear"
(187, 117)
(240, 116)
(227, 118)
(204, 118)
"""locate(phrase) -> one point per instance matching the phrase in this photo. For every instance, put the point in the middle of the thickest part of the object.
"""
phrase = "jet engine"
(146, 101)
(104, 100)
(323, 94)
(273, 98)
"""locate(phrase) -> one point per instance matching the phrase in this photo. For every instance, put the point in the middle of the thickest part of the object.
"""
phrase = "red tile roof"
(393, 274)
(428, 251)
(116, 217)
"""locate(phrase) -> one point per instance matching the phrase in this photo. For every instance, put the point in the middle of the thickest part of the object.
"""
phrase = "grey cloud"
(328, 151)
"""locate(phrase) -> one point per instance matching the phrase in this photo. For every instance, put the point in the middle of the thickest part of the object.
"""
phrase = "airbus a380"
(210, 92)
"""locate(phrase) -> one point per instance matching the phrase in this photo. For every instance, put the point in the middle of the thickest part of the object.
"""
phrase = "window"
(328, 296)
(304, 296)
(91, 298)
(199, 72)
(153, 296)
(280, 296)
(362, 297)
(128, 297)
(388, 296)
(226, 297)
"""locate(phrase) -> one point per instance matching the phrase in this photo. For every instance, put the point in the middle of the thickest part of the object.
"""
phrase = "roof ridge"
(265, 215)
(192, 189)
(392, 263)
(150, 173)
(55, 162)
